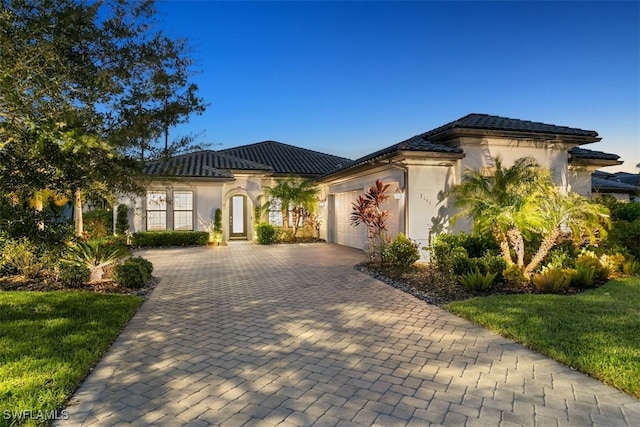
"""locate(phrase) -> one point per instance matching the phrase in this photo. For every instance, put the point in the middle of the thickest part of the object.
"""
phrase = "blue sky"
(349, 78)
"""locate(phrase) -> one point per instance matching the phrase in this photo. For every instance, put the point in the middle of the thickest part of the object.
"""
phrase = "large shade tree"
(518, 202)
(79, 89)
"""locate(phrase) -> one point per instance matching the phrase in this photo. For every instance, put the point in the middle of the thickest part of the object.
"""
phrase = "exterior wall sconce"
(323, 202)
(398, 193)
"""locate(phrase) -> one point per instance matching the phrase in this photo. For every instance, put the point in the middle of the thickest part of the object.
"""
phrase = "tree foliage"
(294, 195)
(81, 84)
(516, 204)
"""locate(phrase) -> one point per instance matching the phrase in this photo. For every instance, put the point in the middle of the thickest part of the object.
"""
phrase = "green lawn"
(48, 343)
(596, 332)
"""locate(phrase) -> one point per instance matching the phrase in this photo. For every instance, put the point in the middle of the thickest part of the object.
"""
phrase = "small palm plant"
(95, 255)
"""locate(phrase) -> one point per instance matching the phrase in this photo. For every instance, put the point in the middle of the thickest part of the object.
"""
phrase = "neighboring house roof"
(489, 122)
(627, 178)
(602, 185)
(287, 159)
(206, 163)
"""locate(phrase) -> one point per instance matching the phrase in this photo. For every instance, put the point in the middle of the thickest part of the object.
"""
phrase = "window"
(156, 210)
(183, 210)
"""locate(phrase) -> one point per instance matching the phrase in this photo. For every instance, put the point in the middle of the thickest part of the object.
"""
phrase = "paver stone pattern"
(293, 335)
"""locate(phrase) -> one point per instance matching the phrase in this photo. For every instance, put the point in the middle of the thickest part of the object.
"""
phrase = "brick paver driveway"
(294, 335)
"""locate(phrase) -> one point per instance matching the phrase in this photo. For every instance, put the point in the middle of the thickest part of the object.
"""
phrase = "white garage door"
(341, 231)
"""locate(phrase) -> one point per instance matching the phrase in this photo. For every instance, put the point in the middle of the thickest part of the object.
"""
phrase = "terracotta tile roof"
(287, 159)
(489, 122)
(206, 163)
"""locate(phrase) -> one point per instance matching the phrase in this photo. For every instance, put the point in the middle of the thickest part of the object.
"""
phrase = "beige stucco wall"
(580, 180)
(428, 210)
(208, 196)
(553, 155)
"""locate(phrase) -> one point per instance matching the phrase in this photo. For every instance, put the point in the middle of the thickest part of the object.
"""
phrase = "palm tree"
(303, 199)
(499, 203)
(573, 215)
(295, 195)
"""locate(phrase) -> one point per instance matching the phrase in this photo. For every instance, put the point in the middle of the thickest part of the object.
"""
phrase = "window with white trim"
(156, 210)
(183, 210)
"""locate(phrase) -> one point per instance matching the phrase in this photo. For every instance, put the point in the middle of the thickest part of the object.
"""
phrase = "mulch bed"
(18, 283)
(432, 286)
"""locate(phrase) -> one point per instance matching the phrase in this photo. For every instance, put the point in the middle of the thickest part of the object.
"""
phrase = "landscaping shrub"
(402, 253)
(588, 259)
(477, 281)
(631, 267)
(130, 274)
(584, 276)
(266, 234)
(21, 257)
(146, 265)
(474, 247)
(122, 219)
(284, 234)
(94, 255)
(552, 280)
(73, 275)
(514, 276)
(217, 226)
(170, 238)
(98, 223)
(625, 235)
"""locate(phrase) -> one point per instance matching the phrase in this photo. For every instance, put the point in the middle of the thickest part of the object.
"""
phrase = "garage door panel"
(344, 233)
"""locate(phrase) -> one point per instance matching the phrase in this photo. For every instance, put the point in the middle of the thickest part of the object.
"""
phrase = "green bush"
(474, 247)
(284, 235)
(552, 280)
(122, 219)
(477, 281)
(170, 238)
(130, 274)
(98, 223)
(266, 234)
(588, 259)
(402, 253)
(625, 235)
(625, 211)
(584, 277)
(631, 267)
(73, 275)
(21, 257)
(94, 255)
(514, 276)
(146, 265)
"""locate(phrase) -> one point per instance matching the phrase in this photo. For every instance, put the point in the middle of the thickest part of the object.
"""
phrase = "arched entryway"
(238, 217)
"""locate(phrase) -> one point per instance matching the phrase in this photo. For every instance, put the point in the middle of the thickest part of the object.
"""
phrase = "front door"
(238, 217)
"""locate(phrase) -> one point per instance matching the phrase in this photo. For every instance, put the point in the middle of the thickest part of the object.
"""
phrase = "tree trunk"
(505, 250)
(547, 244)
(78, 213)
(515, 237)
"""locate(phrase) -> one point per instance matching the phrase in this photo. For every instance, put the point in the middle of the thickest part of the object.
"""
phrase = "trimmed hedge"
(170, 238)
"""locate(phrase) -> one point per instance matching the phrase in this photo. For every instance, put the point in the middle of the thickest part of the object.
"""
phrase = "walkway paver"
(293, 335)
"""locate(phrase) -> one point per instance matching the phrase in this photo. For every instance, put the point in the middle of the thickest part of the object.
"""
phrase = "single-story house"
(622, 186)
(183, 192)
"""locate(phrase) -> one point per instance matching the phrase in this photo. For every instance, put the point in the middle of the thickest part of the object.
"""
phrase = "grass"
(48, 343)
(596, 332)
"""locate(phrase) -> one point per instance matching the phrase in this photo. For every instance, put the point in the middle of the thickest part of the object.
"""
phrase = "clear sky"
(349, 78)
